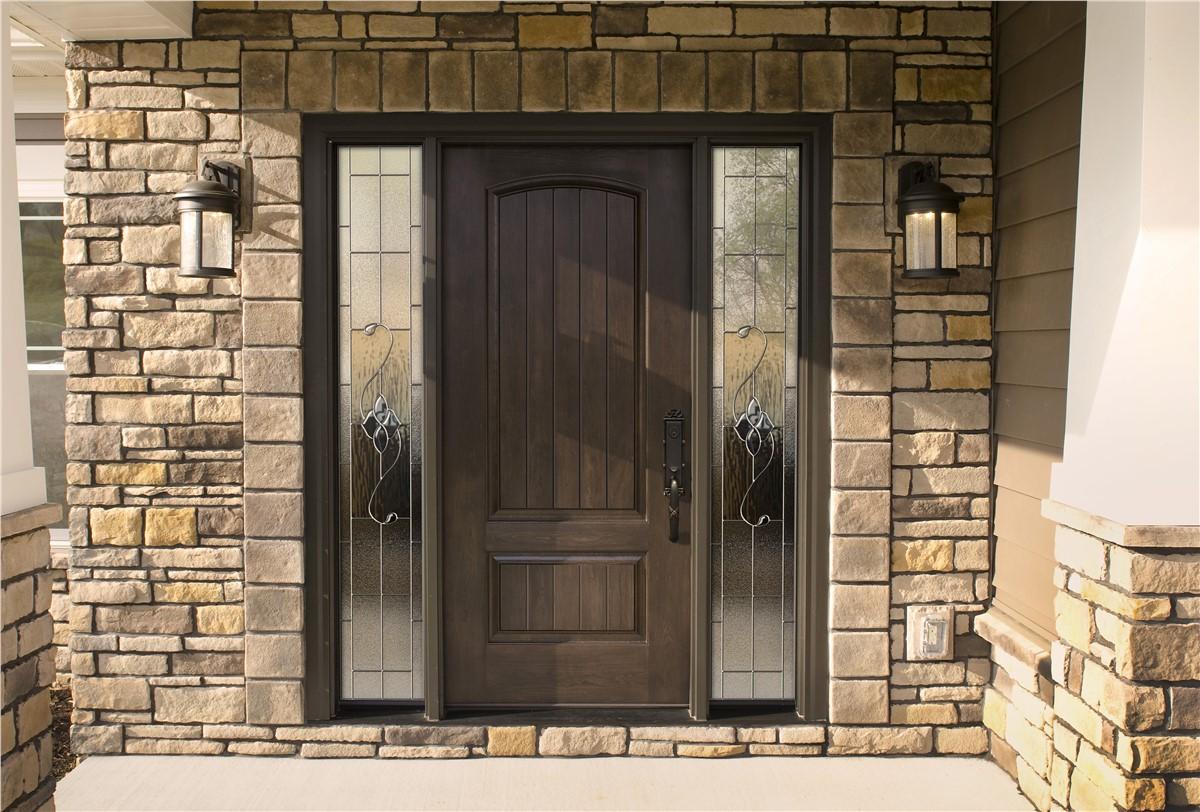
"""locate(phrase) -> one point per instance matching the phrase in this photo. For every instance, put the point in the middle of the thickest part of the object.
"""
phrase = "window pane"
(41, 257)
(28, 209)
(755, 245)
(47, 398)
(380, 433)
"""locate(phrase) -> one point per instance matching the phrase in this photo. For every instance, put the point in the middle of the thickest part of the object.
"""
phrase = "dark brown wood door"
(566, 337)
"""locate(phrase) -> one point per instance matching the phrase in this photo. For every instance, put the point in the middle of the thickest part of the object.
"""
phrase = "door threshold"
(741, 715)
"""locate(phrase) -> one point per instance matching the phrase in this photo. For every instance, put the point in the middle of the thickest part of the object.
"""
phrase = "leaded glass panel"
(379, 269)
(755, 248)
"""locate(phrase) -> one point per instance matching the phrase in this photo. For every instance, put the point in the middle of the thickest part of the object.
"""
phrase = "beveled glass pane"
(919, 239)
(755, 278)
(379, 434)
(949, 239)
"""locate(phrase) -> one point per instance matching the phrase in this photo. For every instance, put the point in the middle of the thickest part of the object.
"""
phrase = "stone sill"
(22, 521)
(1123, 535)
(1017, 643)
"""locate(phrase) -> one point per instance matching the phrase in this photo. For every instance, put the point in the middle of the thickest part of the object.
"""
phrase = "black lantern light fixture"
(208, 215)
(929, 213)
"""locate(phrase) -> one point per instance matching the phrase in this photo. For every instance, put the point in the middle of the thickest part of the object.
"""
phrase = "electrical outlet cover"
(929, 633)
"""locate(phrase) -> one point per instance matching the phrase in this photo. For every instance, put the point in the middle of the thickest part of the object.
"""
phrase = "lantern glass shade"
(921, 237)
(206, 243)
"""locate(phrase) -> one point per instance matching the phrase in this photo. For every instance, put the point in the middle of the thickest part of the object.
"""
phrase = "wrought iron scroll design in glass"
(754, 427)
(381, 425)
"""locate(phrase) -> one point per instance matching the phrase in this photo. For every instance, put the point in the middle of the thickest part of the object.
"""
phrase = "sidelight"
(755, 213)
(379, 251)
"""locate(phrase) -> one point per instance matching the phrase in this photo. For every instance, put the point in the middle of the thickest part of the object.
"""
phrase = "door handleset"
(675, 467)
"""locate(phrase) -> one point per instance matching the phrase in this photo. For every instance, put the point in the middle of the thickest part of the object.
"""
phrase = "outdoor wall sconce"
(929, 211)
(208, 211)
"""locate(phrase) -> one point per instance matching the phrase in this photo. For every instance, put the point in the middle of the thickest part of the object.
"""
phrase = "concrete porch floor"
(245, 783)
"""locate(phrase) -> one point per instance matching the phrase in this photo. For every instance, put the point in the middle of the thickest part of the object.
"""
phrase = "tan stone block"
(188, 592)
(955, 84)
(111, 693)
(153, 245)
(860, 512)
(314, 26)
(926, 555)
(270, 275)
(1158, 651)
(589, 81)
(135, 96)
(170, 527)
(276, 609)
(880, 740)
(582, 741)
(555, 31)
(512, 741)
(636, 82)
(264, 76)
(496, 81)
(861, 417)
(859, 228)
(106, 125)
(115, 526)
(209, 53)
(730, 82)
(861, 465)
(963, 139)
(682, 82)
(390, 25)
(689, 20)
(1125, 605)
(274, 655)
(780, 20)
(543, 81)
(274, 561)
(310, 80)
(131, 473)
(871, 80)
(955, 586)
(226, 619)
(450, 81)
(651, 749)
(824, 77)
(862, 321)
(1142, 572)
(859, 606)
(776, 82)
(403, 80)
(1079, 551)
(1133, 707)
(710, 750)
(863, 22)
(690, 733)
(271, 371)
(976, 479)
(276, 180)
(144, 619)
(1128, 792)
(862, 274)
(858, 559)
(960, 374)
(192, 705)
(274, 702)
(923, 448)
(924, 713)
(861, 369)
(858, 180)
(968, 328)
(859, 654)
(357, 82)
(918, 411)
(339, 750)
(972, 555)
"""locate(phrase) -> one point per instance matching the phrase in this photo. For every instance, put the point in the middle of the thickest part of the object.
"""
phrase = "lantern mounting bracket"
(228, 175)
(915, 172)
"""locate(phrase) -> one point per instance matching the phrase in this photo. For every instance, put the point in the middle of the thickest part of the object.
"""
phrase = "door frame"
(322, 133)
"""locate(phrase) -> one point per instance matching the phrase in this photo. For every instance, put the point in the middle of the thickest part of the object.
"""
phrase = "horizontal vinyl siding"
(1039, 67)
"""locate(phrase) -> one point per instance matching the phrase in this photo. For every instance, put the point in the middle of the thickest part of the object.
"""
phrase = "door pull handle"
(674, 468)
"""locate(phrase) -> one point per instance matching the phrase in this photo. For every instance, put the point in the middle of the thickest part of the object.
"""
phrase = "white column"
(1132, 447)
(21, 485)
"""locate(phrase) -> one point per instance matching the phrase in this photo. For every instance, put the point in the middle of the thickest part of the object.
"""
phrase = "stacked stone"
(1127, 726)
(900, 82)
(60, 613)
(27, 781)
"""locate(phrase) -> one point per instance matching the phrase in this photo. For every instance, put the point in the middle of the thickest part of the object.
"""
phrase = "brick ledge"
(22, 521)
(1019, 649)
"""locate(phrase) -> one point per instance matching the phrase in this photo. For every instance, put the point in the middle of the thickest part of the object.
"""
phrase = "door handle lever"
(674, 467)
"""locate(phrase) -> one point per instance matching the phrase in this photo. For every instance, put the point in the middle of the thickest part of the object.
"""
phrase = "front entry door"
(566, 337)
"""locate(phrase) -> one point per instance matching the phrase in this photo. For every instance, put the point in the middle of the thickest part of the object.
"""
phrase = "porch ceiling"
(52, 23)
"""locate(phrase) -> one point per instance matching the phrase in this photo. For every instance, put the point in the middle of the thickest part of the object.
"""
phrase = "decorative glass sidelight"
(755, 347)
(379, 272)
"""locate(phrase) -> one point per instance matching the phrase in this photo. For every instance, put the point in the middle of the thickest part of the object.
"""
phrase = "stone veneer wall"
(1114, 721)
(28, 781)
(185, 455)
